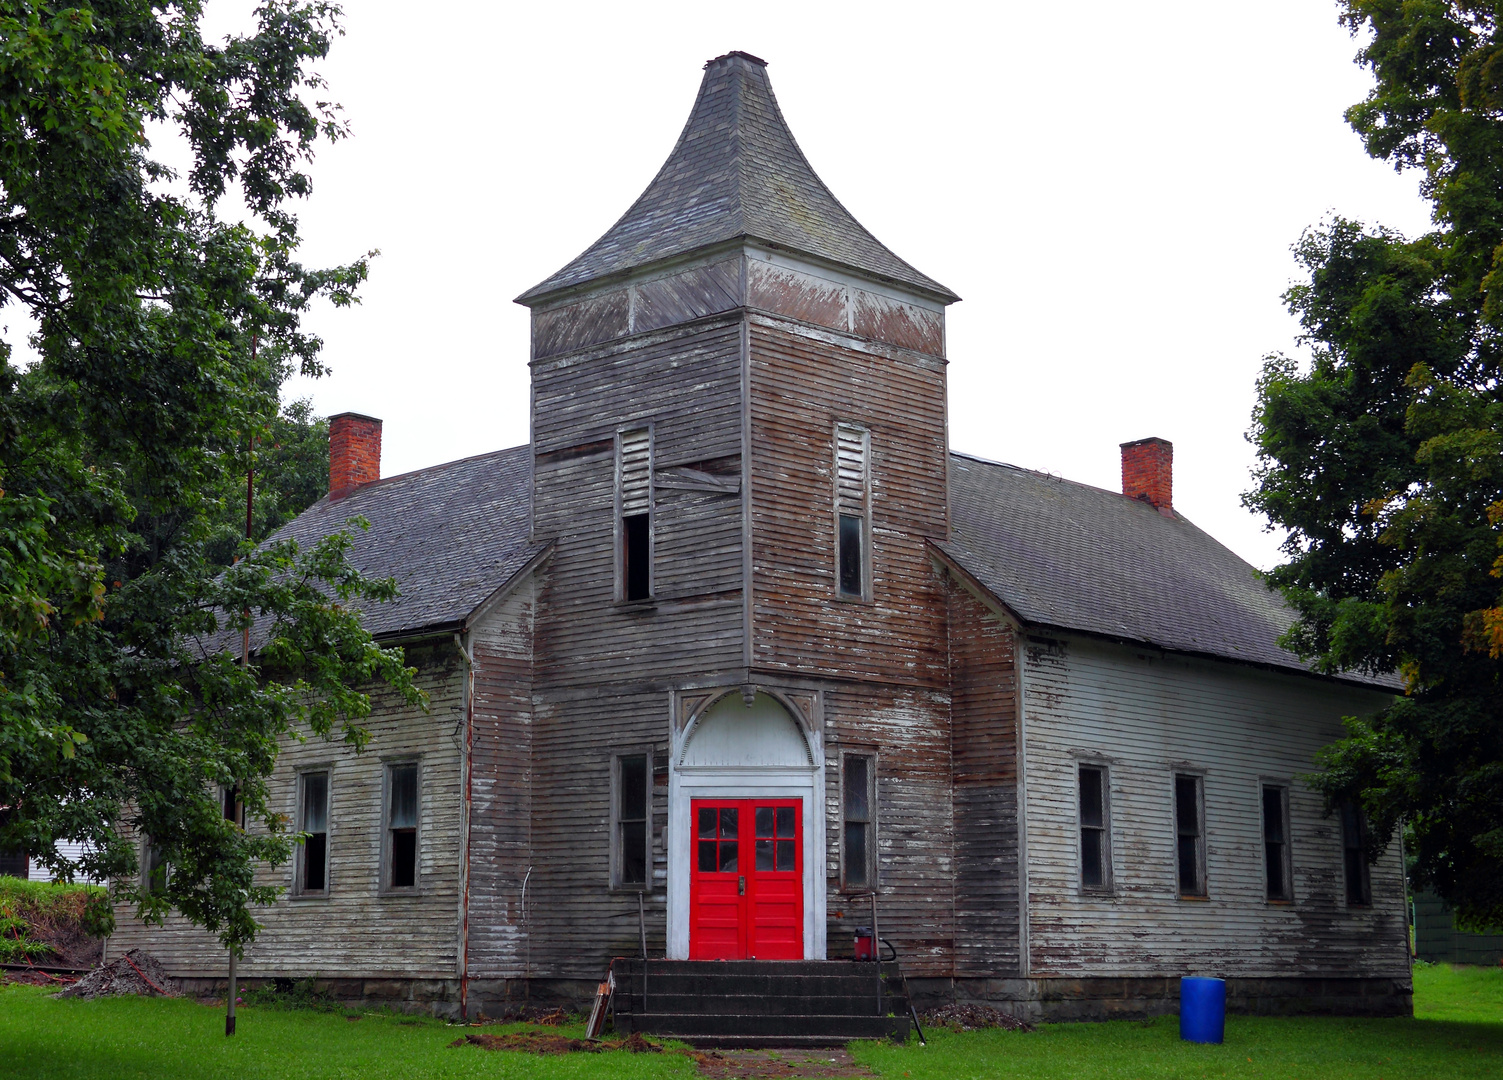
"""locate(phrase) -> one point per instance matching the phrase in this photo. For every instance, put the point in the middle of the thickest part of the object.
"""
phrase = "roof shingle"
(736, 172)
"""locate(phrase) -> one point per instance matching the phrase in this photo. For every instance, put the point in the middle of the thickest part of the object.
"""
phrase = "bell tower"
(739, 453)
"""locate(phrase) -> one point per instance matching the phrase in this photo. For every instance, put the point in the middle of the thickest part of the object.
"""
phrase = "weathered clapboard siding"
(500, 839)
(350, 933)
(908, 729)
(576, 923)
(1147, 715)
(802, 383)
(686, 384)
(983, 719)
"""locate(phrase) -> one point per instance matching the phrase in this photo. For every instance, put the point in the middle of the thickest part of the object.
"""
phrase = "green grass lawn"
(1457, 1032)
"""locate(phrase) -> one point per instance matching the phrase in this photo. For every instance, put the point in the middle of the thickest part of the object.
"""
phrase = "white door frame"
(689, 782)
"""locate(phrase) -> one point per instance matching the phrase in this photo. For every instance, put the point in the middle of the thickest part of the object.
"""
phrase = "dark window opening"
(234, 809)
(859, 846)
(1353, 843)
(155, 868)
(12, 863)
(402, 821)
(316, 825)
(633, 784)
(850, 555)
(718, 845)
(1275, 845)
(635, 541)
(1094, 857)
(1189, 835)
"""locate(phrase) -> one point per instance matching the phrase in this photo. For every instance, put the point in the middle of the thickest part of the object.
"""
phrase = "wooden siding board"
(349, 933)
(983, 710)
(501, 786)
(1148, 714)
(802, 385)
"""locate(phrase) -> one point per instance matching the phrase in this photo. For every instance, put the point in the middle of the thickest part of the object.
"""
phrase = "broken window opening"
(1095, 852)
(402, 826)
(1189, 835)
(313, 819)
(1276, 843)
(858, 856)
(852, 511)
(634, 525)
(1353, 844)
(632, 807)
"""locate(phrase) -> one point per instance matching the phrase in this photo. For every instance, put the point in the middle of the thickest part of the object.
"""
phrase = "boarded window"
(1095, 840)
(852, 510)
(1353, 845)
(1189, 835)
(313, 819)
(1276, 866)
(632, 809)
(858, 804)
(634, 487)
(402, 826)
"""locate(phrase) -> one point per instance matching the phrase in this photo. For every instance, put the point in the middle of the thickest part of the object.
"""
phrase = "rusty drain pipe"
(469, 774)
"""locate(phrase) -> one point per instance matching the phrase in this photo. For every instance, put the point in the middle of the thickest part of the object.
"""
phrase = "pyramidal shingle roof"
(736, 172)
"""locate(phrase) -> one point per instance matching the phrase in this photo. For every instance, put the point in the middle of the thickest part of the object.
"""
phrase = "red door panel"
(746, 893)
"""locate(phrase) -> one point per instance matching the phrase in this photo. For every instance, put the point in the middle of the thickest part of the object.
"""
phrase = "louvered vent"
(636, 471)
(850, 469)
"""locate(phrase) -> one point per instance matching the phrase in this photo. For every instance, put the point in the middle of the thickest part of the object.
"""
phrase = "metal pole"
(642, 922)
(877, 952)
(229, 1015)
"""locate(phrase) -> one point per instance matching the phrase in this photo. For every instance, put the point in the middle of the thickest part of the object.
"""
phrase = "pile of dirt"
(136, 972)
(542, 1042)
(973, 1017)
(42, 923)
(777, 1064)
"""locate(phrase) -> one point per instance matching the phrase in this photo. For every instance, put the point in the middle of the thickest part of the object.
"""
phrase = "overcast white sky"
(1113, 189)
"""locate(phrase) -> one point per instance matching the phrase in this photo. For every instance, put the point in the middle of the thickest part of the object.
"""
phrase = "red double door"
(746, 892)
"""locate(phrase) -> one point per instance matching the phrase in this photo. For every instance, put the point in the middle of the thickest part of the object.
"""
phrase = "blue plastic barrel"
(1202, 1010)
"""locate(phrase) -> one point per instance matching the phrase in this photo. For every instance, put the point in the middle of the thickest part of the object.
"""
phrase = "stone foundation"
(1112, 999)
(1028, 999)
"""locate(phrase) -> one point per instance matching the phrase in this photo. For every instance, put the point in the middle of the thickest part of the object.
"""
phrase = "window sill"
(630, 607)
(642, 889)
(842, 598)
(1195, 898)
(302, 896)
(1278, 901)
(416, 890)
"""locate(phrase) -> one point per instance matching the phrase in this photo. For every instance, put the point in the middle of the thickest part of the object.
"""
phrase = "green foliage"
(165, 333)
(23, 904)
(1383, 455)
(292, 994)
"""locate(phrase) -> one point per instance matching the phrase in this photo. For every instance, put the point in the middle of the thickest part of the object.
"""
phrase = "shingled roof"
(1070, 556)
(451, 535)
(736, 172)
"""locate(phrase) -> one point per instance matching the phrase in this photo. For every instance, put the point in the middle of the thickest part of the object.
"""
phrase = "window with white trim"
(858, 802)
(634, 517)
(631, 820)
(852, 511)
(1095, 829)
(400, 850)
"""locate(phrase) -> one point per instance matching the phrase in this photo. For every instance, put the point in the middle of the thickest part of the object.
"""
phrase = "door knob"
(741, 885)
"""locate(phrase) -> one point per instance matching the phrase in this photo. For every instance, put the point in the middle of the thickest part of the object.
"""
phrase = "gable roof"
(1074, 557)
(736, 172)
(451, 535)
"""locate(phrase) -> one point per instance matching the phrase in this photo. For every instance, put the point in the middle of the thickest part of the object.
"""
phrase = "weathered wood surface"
(356, 931)
(984, 719)
(802, 384)
(500, 841)
(908, 730)
(1148, 714)
(751, 279)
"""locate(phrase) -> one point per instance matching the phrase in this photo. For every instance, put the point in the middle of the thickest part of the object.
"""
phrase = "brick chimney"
(1148, 472)
(354, 452)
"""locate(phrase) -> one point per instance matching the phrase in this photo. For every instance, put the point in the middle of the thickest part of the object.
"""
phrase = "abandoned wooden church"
(738, 640)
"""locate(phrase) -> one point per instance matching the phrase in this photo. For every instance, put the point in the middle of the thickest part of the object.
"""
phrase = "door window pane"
(786, 817)
(764, 820)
